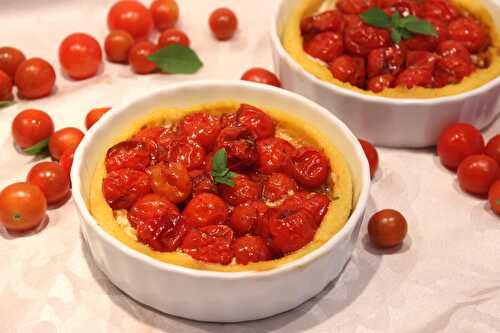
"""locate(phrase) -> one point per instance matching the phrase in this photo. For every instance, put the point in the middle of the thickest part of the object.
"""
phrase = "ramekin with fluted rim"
(391, 122)
(218, 296)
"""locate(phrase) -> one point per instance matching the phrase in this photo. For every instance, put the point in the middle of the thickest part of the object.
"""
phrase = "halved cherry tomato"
(261, 75)
(165, 13)
(494, 197)
(5, 87)
(117, 46)
(121, 188)
(171, 180)
(94, 115)
(35, 78)
(387, 228)
(250, 249)
(173, 36)
(66, 138)
(245, 217)
(256, 121)
(202, 127)
(308, 166)
(316, 204)
(457, 142)
(66, 160)
(244, 190)
(371, 155)
(30, 127)
(128, 154)
(80, 56)
(278, 186)
(52, 179)
(131, 16)
(138, 57)
(239, 144)
(349, 69)
(477, 173)
(10, 59)
(211, 243)
(272, 154)
(493, 148)
(223, 23)
(205, 209)
(325, 46)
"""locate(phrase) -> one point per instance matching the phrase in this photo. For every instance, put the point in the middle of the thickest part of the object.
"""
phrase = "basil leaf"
(231, 175)
(396, 20)
(376, 17)
(408, 19)
(396, 36)
(221, 173)
(37, 148)
(4, 104)
(219, 161)
(406, 34)
(497, 202)
(176, 59)
(223, 180)
(421, 27)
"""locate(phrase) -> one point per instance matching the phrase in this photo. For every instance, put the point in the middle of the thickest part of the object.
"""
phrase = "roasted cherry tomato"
(245, 217)
(188, 152)
(468, 32)
(493, 148)
(316, 204)
(387, 228)
(308, 166)
(94, 115)
(290, 230)
(371, 155)
(66, 160)
(128, 154)
(330, 20)
(360, 40)
(80, 56)
(421, 59)
(10, 59)
(211, 243)
(52, 179)
(387, 60)
(173, 36)
(205, 209)
(117, 46)
(428, 43)
(325, 46)
(278, 186)
(201, 127)
(477, 173)
(261, 75)
(451, 70)
(165, 13)
(22, 207)
(403, 7)
(35, 78)
(415, 76)
(349, 69)
(171, 180)
(202, 182)
(223, 23)
(379, 83)
(5, 87)
(494, 197)
(250, 249)
(354, 6)
(439, 10)
(30, 127)
(259, 124)
(131, 16)
(450, 48)
(66, 138)
(244, 190)
(138, 57)
(157, 134)
(272, 154)
(457, 142)
(123, 187)
(239, 144)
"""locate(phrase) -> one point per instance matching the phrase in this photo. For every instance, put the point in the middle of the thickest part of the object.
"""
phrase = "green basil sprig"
(220, 172)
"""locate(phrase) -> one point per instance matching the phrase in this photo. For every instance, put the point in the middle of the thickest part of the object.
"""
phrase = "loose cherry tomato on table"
(35, 78)
(244, 190)
(117, 46)
(354, 6)
(205, 209)
(223, 23)
(80, 56)
(130, 154)
(22, 207)
(349, 69)
(248, 249)
(138, 57)
(171, 181)
(261, 75)
(10, 59)
(326, 46)
(468, 32)
(211, 243)
(66, 160)
(5, 87)
(477, 173)
(131, 16)
(371, 155)
(66, 138)
(165, 13)
(173, 36)
(121, 188)
(308, 166)
(30, 127)
(278, 186)
(387, 228)
(52, 179)
(272, 154)
(94, 115)
(457, 142)
(493, 148)
(245, 217)
(494, 197)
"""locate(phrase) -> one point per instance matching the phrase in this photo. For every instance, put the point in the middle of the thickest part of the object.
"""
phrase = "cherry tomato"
(379, 83)
(272, 154)
(439, 10)
(371, 155)
(325, 46)
(202, 182)
(128, 154)
(415, 76)
(211, 243)
(121, 188)
(314, 203)
(165, 13)
(10, 59)
(245, 217)
(261, 75)
(138, 57)
(94, 115)
(187, 152)
(259, 124)
(330, 20)
(239, 144)
(477, 173)
(117, 46)
(22, 207)
(308, 166)
(205, 209)
(494, 197)
(66, 160)
(170, 180)
(131, 16)
(52, 179)
(5, 87)
(278, 186)
(451, 70)
(354, 6)
(457, 142)
(202, 127)
(80, 56)
(290, 230)
(66, 138)
(453, 48)
(387, 228)
(156, 133)
(349, 69)
(30, 127)
(35, 78)
(250, 249)
(428, 43)
(421, 59)
(387, 60)
(493, 148)
(469, 33)
(173, 36)
(244, 190)
(360, 40)
(404, 7)
(223, 23)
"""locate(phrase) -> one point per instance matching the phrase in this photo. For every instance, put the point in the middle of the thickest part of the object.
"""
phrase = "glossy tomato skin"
(239, 144)
(171, 181)
(10, 59)
(128, 154)
(421, 59)
(66, 160)
(187, 152)
(211, 243)
(94, 115)
(246, 217)
(451, 70)
(387, 228)
(261, 75)
(272, 154)
(30, 127)
(457, 142)
(202, 182)
(330, 20)
(173, 36)
(202, 127)
(453, 48)
(415, 77)
(244, 190)
(121, 188)
(165, 13)
(360, 40)
(477, 173)
(80, 56)
(372, 156)
(354, 6)
(22, 207)
(131, 16)
(117, 46)
(138, 57)
(259, 124)
(205, 209)
(248, 249)
(314, 203)
(349, 69)
(278, 186)
(290, 230)
(428, 43)
(494, 197)
(439, 10)
(223, 23)
(52, 179)
(35, 78)
(325, 46)
(493, 148)
(379, 83)
(308, 166)
(387, 60)
(66, 138)
(5, 87)
(468, 32)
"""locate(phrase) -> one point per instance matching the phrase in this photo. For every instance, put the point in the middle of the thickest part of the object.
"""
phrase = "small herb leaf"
(405, 34)
(396, 36)
(37, 148)
(396, 20)
(177, 59)
(421, 27)
(222, 180)
(376, 17)
(4, 104)
(408, 19)
(220, 172)
(497, 202)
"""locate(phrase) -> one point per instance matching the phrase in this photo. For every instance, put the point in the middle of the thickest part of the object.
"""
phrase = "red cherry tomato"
(330, 20)
(250, 249)
(94, 115)
(314, 203)
(325, 46)
(469, 33)
(10, 59)
(211, 243)
(165, 13)
(494, 197)
(421, 59)
(245, 217)
(493, 148)
(428, 43)
(5, 87)
(80, 56)
(35, 78)
(360, 40)
(205, 209)
(223, 23)
(30, 127)
(309, 167)
(66, 138)
(290, 230)
(439, 10)
(117, 46)
(453, 48)
(477, 173)
(349, 69)
(272, 154)
(138, 57)
(52, 179)
(451, 70)
(121, 188)
(66, 160)
(371, 155)
(22, 207)
(415, 76)
(244, 190)
(171, 181)
(261, 75)
(387, 228)
(278, 186)
(457, 142)
(202, 182)
(128, 154)
(187, 152)
(239, 144)
(354, 6)
(259, 124)
(201, 127)
(403, 7)
(379, 83)
(131, 16)
(387, 60)
(173, 36)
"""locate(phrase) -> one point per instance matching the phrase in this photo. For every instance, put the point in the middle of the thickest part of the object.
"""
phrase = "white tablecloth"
(445, 278)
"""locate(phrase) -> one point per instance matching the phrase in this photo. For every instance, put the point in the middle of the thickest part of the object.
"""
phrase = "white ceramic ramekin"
(217, 296)
(385, 121)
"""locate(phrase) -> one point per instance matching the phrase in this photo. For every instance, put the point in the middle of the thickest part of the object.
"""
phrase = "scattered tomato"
(173, 36)
(493, 148)
(371, 155)
(494, 197)
(94, 115)
(457, 142)
(117, 46)
(223, 23)
(35, 78)
(138, 57)
(10, 59)
(5, 87)
(66, 160)
(131, 16)
(66, 138)
(165, 13)
(261, 75)
(387, 228)
(52, 179)
(477, 173)
(80, 56)
(30, 127)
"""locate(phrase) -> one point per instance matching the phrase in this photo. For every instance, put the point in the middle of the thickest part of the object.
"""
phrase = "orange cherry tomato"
(131, 16)
(172, 181)
(10, 59)
(30, 127)
(80, 56)
(94, 115)
(35, 78)
(371, 155)
(223, 23)
(457, 142)
(138, 57)
(117, 46)
(261, 75)
(387, 228)
(66, 160)
(493, 148)
(173, 36)
(52, 179)
(477, 173)
(165, 13)
(66, 138)
(494, 197)
(5, 87)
